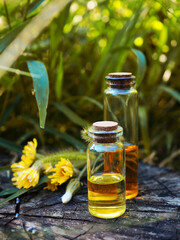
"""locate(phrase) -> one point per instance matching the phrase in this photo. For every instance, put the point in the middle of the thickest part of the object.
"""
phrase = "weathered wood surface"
(154, 214)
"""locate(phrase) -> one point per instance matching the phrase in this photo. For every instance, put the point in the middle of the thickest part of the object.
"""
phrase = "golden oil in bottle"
(106, 171)
(121, 105)
(131, 153)
(106, 195)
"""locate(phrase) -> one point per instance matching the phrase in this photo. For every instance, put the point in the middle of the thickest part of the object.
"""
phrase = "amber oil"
(121, 105)
(131, 153)
(106, 171)
(106, 195)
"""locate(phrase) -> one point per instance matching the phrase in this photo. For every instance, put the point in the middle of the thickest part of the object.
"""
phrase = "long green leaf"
(22, 191)
(34, 5)
(59, 79)
(10, 145)
(31, 32)
(41, 88)
(5, 168)
(171, 91)
(25, 136)
(57, 25)
(68, 138)
(71, 115)
(8, 191)
(9, 109)
(169, 140)
(42, 180)
(126, 37)
(144, 128)
(78, 144)
(35, 124)
(14, 195)
(4, 42)
(141, 61)
(141, 66)
(92, 100)
(107, 62)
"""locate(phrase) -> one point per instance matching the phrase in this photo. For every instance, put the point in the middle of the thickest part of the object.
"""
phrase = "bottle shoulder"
(116, 91)
(104, 147)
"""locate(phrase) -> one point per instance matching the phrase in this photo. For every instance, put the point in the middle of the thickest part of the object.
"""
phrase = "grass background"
(79, 45)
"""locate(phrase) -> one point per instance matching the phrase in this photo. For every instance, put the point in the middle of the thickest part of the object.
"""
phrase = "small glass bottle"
(106, 170)
(121, 105)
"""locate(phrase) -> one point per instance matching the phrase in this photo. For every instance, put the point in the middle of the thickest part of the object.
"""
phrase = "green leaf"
(14, 195)
(31, 32)
(108, 62)
(59, 79)
(34, 5)
(8, 191)
(57, 25)
(141, 66)
(68, 138)
(163, 37)
(78, 144)
(171, 91)
(5, 168)
(35, 125)
(10, 145)
(25, 136)
(22, 191)
(92, 100)
(144, 128)
(141, 61)
(71, 115)
(169, 140)
(43, 180)
(9, 109)
(5, 41)
(41, 87)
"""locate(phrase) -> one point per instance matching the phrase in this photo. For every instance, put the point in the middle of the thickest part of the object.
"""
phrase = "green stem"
(78, 159)
(97, 159)
(82, 172)
(17, 71)
(39, 156)
(97, 168)
(26, 10)
(7, 14)
(3, 107)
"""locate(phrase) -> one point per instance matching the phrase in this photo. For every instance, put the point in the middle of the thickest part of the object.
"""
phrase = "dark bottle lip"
(100, 136)
(125, 81)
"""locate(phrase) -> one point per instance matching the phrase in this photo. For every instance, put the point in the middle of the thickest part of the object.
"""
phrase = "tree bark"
(154, 214)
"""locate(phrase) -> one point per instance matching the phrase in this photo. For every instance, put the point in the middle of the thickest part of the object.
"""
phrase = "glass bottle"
(106, 170)
(121, 105)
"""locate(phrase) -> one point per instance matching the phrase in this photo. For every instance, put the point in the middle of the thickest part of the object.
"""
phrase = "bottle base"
(131, 194)
(107, 212)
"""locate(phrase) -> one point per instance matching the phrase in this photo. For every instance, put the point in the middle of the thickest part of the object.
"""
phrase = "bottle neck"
(105, 132)
(105, 138)
(121, 83)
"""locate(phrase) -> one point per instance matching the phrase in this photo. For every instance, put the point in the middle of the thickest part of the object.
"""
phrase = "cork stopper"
(105, 126)
(105, 131)
(120, 80)
(120, 74)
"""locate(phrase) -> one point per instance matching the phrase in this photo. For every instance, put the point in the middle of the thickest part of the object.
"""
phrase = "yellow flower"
(51, 186)
(29, 152)
(18, 167)
(62, 171)
(47, 168)
(27, 178)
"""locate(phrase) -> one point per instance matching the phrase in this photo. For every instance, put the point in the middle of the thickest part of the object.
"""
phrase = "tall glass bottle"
(121, 105)
(106, 171)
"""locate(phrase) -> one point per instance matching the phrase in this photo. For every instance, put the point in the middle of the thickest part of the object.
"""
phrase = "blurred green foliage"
(79, 47)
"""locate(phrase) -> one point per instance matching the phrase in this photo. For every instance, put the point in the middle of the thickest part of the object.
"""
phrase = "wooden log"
(154, 214)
